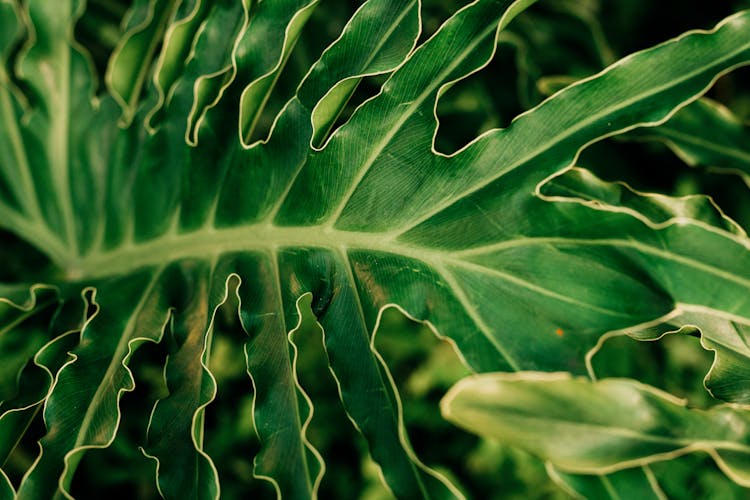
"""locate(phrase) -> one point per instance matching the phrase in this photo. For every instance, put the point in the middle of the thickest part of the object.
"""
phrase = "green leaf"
(16, 174)
(59, 78)
(175, 432)
(707, 134)
(10, 31)
(281, 409)
(597, 427)
(23, 336)
(334, 78)
(637, 482)
(520, 262)
(176, 46)
(208, 77)
(583, 186)
(131, 61)
(17, 413)
(6, 489)
(263, 67)
(82, 408)
(720, 332)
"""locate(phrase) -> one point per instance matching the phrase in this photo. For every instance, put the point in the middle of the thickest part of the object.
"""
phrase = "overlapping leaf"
(604, 426)
(707, 134)
(154, 221)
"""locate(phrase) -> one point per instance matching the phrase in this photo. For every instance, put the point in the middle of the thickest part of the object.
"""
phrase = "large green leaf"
(150, 204)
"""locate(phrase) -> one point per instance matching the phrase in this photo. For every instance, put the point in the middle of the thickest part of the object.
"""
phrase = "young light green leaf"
(597, 427)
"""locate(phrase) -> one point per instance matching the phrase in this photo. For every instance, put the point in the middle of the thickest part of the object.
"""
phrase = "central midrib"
(210, 242)
(264, 237)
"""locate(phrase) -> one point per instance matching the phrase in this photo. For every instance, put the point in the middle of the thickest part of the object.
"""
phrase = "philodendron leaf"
(82, 409)
(262, 68)
(177, 44)
(638, 482)
(18, 182)
(721, 332)
(580, 185)
(130, 64)
(153, 224)
(6, 488)
(58, 74)
(598, 427)
(705, 133)
(16, 414)
(383, 52)
(175, 436)
(26, 332)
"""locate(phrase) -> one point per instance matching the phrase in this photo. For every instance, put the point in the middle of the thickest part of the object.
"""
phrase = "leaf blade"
(596, 427)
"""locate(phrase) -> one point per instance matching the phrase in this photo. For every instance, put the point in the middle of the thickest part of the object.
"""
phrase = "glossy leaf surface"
(597, 427)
